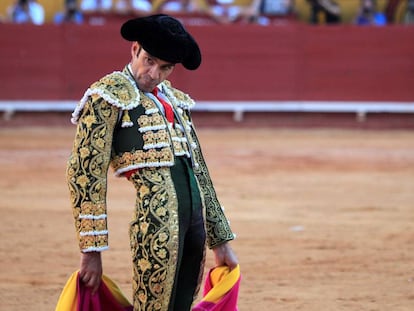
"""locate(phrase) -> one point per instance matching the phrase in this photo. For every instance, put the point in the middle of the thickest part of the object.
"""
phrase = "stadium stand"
(348, 8)
(292, 68)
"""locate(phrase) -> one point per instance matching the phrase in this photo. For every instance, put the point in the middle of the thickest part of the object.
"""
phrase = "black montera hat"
(165, 38)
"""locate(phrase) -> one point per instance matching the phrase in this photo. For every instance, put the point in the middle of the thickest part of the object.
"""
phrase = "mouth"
(148, 85)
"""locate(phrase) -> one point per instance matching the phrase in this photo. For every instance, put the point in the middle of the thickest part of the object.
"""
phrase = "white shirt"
(35, 14)
(140, 5)
(94, 5)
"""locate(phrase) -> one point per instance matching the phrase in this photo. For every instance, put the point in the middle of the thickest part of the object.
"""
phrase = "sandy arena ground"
(324, 218)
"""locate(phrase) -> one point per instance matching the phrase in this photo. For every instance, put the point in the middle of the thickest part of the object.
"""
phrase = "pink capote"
(103, 300)
(221, 290)
(76, 296)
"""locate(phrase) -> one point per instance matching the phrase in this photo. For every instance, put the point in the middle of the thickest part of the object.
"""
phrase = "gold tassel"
(126, 120)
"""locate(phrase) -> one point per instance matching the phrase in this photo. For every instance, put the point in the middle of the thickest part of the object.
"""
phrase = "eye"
(149, 61)
(167, 67)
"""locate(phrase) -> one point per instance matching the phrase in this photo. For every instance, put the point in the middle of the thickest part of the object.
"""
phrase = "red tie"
(169, 113)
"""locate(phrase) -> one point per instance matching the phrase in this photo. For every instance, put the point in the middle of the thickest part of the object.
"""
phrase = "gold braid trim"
(87, 172)
(154, 239)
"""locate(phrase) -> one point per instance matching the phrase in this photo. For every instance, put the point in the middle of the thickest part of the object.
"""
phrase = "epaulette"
(117, 88)
(181, 99)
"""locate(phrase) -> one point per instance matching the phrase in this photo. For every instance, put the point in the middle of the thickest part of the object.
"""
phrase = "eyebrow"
(168, 65)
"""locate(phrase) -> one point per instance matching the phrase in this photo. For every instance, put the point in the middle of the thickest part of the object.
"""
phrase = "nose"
(154, 72)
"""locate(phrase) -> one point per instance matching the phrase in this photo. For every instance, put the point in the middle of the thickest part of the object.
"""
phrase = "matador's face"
(148, 70)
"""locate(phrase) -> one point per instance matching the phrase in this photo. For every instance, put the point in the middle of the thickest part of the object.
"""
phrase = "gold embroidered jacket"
(106, 105)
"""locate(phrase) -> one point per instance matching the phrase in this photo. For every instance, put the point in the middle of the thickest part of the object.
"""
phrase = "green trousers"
(191, 237)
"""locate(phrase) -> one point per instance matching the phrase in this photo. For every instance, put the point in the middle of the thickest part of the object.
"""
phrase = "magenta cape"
(76, 296)
(221, 290)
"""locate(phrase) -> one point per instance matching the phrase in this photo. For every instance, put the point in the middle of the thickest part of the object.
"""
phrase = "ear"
(135, 49)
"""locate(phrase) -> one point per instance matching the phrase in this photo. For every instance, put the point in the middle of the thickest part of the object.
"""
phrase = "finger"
(95, 284)
(89, 280)
(86, 281)
(81, 274)
(85, 277)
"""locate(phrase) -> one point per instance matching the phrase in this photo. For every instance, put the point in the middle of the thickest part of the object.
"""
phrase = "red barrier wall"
(241, 62)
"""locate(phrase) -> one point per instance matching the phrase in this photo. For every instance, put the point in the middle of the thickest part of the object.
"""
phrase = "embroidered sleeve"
(87, 172)
(217, 225)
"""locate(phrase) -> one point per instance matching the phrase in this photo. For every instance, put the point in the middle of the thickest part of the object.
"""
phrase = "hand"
(90, 271)
(225, 256)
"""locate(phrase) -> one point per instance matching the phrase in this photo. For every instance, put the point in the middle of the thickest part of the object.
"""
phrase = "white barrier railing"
(238, 108)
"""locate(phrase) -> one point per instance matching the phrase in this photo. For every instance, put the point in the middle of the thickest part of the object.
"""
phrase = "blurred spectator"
(172, 6)
(70, 14)
(409, 15)
(224, 11)
(135, 7)
(227, 11)
(270, 9)
(180, 6)
(96, 6)
(324, 12)
(26, 11)
(185, 7)
(257, 11)
(390, 10)
(368, 14)
(276, 7)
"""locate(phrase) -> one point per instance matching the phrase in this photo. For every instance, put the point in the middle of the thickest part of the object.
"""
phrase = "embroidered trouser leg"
(167, 238)
(154, 239)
